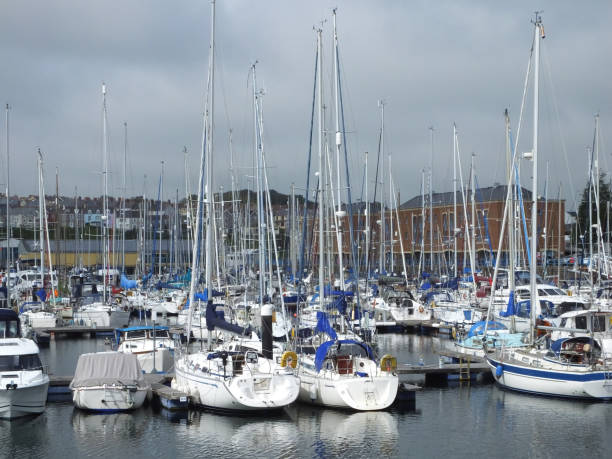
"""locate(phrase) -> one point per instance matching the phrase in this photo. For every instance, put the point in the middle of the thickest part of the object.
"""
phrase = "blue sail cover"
(478, 327)
(324, 348)
(340, 304)
(42, 294)
(324, 326)
(126, 283)
(425, 286)
(216, 319)
(511, 310)
(452, 284)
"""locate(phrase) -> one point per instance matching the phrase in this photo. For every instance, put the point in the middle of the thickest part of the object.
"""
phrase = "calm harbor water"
(459, 421)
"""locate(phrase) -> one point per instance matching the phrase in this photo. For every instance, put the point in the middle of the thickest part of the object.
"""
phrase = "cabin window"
(20, 362)
(581, 322)
(9, 329)
(135, 334)
(599, 323)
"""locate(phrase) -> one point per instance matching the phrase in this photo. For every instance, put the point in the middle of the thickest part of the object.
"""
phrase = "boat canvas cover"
(322, 350)
(108, 368)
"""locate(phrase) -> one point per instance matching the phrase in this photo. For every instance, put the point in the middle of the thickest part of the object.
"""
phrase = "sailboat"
(342, 373)
(34, 314)
(223, 379)
(94, 311)
(579, 368)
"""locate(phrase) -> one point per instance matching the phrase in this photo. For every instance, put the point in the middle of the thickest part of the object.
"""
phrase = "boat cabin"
(9, 324)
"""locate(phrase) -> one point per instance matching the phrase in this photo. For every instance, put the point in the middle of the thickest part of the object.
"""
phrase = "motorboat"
(153, 346)
(25, 382)
(109, 381)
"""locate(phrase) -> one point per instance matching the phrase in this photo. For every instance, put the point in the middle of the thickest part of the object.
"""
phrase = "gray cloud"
(434, 63)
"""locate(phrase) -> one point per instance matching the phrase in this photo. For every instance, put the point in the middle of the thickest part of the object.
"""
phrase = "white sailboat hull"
(558, 383)
(237, 393)
(354, 393)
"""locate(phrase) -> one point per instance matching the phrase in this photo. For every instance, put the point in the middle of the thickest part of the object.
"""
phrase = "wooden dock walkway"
(436, 374)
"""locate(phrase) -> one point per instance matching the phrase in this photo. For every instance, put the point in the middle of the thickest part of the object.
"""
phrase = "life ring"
(289, 358)
(545, 323)
(388, 363)
(421, 309)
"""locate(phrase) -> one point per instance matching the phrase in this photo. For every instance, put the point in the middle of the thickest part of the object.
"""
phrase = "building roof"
(487, 194)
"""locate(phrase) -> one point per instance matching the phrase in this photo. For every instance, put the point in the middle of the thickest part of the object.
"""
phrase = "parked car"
(569, 261)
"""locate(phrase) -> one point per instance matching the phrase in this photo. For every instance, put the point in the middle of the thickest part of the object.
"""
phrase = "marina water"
(473, 420)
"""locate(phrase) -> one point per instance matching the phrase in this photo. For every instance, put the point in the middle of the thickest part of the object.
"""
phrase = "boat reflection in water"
(231, 436)
(528, 416)
(347, 434)
(104, 433)
(25, 436)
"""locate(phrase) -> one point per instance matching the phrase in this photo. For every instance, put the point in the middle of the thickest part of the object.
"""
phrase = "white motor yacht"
(25, 382)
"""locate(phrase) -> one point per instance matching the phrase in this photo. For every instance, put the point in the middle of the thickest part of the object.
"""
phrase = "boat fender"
(388, 363)
(421, 308)
(289, 358)
(454, 332)
(499, 370)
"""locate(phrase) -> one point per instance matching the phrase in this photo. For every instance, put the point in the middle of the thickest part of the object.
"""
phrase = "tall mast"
(538, 31)
(105, 197)
(123, 209)
(510, 182)
(321, 175)
(391, 231)
(339, 213)
(546, 230)
(8, 224)
(161, 219)
(422, 256)
(209, 175)
(473, 225)
(431, 239)
(57, 225)
(596, 151)
(77, 259)
(292, 241)
(381, 260)
(205, 160)
(455, 198)
(260, 203)
(367, 225)
(41, 216)
(234, 201)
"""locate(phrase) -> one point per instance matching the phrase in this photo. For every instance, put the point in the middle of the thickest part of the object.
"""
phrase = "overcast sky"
(434, 63)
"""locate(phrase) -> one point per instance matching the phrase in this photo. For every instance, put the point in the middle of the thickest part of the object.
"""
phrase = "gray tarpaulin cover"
(108, 368)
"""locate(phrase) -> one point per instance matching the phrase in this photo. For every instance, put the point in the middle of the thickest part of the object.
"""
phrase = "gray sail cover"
(108, 368)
